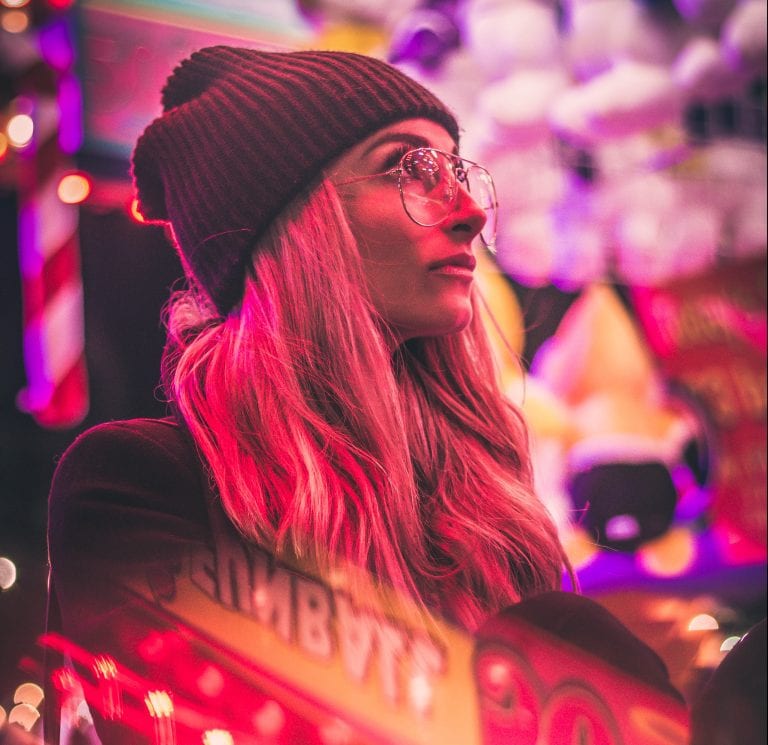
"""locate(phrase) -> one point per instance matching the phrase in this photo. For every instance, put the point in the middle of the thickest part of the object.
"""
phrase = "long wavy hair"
(326, 446)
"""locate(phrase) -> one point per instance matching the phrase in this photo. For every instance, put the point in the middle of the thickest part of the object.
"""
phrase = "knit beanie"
(244, 131)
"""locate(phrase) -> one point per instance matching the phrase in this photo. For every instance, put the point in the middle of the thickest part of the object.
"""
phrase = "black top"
(128, 500)
(134, 524)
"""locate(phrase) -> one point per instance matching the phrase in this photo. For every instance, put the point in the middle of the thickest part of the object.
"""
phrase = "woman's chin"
(443, 324)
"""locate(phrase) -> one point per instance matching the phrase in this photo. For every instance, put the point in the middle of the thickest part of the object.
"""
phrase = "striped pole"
(56, 394)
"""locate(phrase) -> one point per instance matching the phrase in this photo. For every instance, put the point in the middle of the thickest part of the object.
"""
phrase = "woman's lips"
(457, 265)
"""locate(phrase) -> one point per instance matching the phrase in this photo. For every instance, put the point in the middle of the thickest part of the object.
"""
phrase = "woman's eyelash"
(393, 159)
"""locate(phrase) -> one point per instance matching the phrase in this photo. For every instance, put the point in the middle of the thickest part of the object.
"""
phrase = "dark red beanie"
(244, 131)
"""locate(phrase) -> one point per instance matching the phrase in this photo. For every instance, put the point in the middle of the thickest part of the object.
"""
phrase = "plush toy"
(624, 436)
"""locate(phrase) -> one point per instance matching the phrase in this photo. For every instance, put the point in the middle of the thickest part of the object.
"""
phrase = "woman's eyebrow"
(404, 137)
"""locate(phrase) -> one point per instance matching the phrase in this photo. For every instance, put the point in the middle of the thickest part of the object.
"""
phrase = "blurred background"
(628, 142)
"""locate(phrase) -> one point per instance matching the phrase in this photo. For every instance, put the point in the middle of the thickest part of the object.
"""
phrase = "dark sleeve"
(127, 501)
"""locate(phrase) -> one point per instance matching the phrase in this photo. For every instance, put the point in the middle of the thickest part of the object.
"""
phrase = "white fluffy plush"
(629, 97)
(507, 35)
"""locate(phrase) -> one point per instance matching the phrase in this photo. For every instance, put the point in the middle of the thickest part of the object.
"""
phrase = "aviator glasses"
(429, 180)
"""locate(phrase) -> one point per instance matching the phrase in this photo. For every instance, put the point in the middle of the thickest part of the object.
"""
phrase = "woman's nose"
(467, 216)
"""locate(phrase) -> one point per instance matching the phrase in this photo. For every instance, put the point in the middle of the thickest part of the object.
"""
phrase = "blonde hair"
(325, 445)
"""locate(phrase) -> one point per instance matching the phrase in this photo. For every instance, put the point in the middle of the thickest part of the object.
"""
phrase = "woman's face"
(420, 278)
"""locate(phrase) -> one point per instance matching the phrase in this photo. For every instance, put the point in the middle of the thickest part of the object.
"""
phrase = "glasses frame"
(461, 169)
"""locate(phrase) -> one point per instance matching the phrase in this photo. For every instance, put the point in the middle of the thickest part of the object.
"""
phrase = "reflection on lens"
(429, 182)
(424, 166)
(427, 185)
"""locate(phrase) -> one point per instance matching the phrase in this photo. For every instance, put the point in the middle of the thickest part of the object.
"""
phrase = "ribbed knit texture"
(244, 131)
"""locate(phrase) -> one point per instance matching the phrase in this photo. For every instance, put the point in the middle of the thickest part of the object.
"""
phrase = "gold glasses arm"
(357, 179)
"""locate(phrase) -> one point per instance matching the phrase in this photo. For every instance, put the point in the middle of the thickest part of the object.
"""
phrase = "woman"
(331, 384)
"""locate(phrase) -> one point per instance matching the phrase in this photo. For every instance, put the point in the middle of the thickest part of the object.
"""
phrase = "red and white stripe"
(52, 292)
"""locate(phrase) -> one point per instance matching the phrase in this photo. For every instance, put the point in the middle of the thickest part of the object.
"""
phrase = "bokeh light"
(729, 643)
(15, 3)
(14, 21)
(269, 719)
(336, 732)
(703, 622)
(218, 737)
(670, 555)
(159, 704)
(133, 209)
(3, 717)
(28, 693)
(20, 129)
(420, 693)
(210, 682)
(74, 188)
(7, 573)
(24, 715)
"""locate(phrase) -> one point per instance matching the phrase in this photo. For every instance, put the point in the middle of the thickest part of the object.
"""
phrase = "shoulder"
(111, 445)
(136, 460)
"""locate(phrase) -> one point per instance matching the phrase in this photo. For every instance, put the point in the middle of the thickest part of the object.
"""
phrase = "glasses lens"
(480, 186)
(428, 185)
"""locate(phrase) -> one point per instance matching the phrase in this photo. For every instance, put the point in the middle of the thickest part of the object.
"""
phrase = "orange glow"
(670, 555)
(134, 211)
(74, 188)
(3, 145)
(14, 21)
(218, 737)
(703, 622)
(20, 130)
(3, 717)
(581, 549)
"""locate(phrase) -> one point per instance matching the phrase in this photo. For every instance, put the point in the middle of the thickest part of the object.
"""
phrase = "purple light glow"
(56, 47)
(69, 100)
